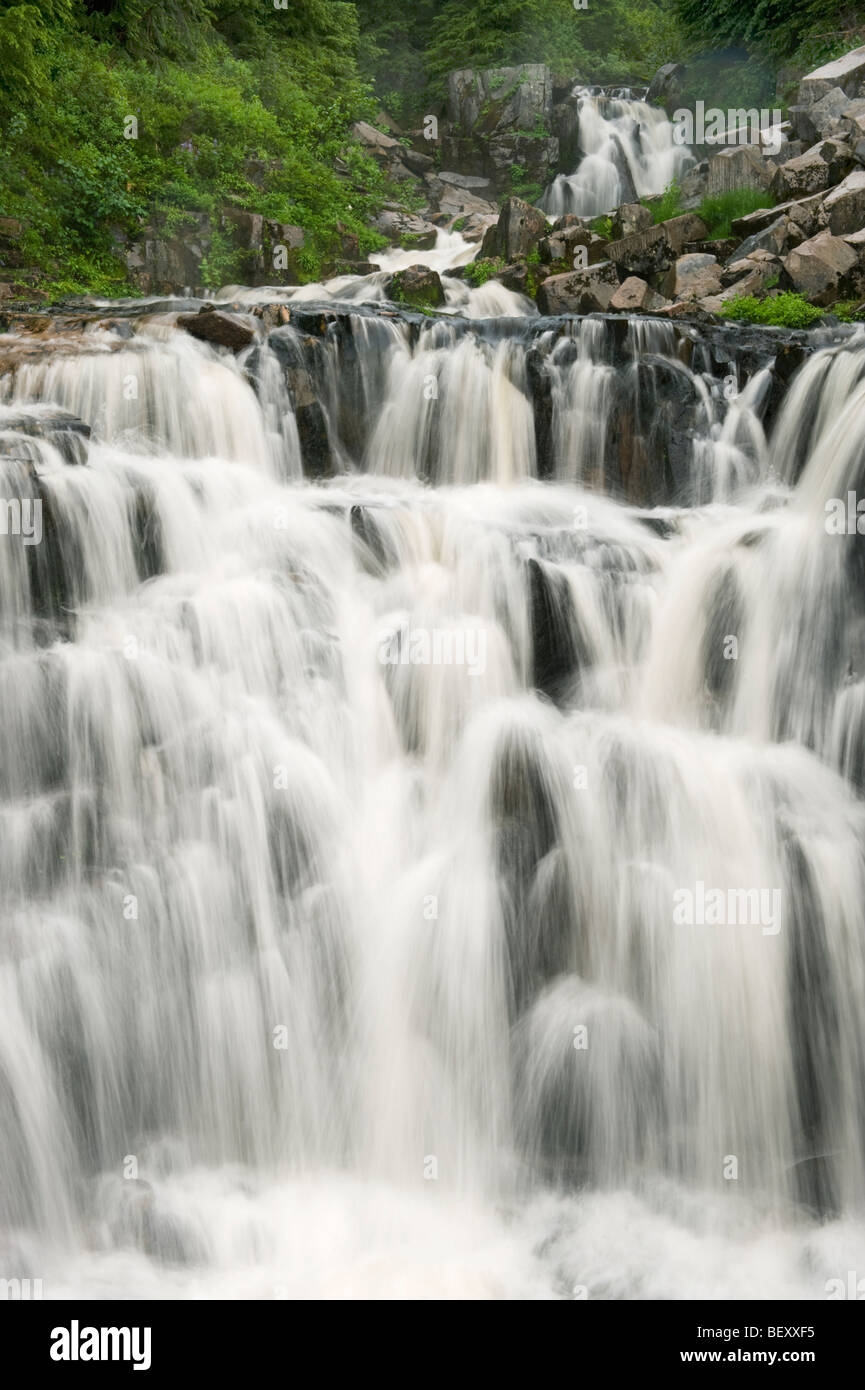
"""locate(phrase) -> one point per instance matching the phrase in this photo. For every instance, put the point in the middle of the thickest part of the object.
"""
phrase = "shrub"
(786, 310)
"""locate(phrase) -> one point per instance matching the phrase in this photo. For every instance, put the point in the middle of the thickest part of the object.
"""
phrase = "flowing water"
(345, 822)
(627, 151)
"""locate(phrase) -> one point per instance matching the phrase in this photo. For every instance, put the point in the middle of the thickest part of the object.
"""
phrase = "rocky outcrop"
(518, 228)
(740, 166)
(844, 207)
(499, 118)
(848, 73)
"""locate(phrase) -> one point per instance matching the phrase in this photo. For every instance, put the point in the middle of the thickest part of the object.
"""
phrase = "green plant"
(477, 273)
(849, 311)
(668, 205)
(720, 211)
(788, 310)
(602, 227)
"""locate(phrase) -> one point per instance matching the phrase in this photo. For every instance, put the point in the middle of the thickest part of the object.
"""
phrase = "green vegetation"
(720, 212)
(408, 50)
(477, 273)
(667, 205)
(113, 112)
(603, 227)
(786, 310)
(848, 311)
(527, 189)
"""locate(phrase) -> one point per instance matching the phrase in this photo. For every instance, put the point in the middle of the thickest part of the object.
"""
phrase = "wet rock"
(219, 329)
(419, 286)
(665, 87)
(777, 238)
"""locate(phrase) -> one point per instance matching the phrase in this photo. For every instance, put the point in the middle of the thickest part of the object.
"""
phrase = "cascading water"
(344, 822)
(627, 152)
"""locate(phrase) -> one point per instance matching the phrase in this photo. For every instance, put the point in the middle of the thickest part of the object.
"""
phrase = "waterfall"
(431, 815)
(627, 152)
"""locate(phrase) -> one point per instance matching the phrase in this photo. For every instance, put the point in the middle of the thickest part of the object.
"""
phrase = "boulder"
(578, 291)
(696, 276)
(778, 238)
(753, 274)
(376, 141)
(418, 286)
(817, 169)
(634, 296)
(826, 115)
(404, 227)
(519, 227)
(221, 330)
(740, 166)
(695, 185)
(848, 73)
(845, 205)
(820, 268)
(630, 218)
(666, 86)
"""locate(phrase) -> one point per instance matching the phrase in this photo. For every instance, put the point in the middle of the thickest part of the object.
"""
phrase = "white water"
(626, 147)
(222, 816)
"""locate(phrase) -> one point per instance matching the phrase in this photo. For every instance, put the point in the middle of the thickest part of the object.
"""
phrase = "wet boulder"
(212, 326)
(418, 286)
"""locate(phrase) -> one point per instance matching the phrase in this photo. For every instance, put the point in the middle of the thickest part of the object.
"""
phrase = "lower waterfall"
(431, 801)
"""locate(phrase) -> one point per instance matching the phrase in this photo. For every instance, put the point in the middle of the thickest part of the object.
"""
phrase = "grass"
(603, 227)
(786, 310)
(721, 211)
(668, 205)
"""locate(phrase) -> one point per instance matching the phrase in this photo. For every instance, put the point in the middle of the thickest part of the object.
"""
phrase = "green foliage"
(668, 205)
(786, 310)
(721, 211)
(477, 273)
(774, 27)
(848, 311)
(524, 187)
(603, 227)
(237, 104)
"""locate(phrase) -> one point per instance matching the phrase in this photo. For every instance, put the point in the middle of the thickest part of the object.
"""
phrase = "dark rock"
(222, 330)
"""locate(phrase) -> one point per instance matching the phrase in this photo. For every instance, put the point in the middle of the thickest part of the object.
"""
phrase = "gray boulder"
(845, 205)
(518, 229)
(820, 268)
(578, 291)
(634, 296)
(817, 169)
(848, 73)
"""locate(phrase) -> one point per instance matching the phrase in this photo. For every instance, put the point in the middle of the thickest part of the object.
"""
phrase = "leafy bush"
(786, 310)
(477, 273)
